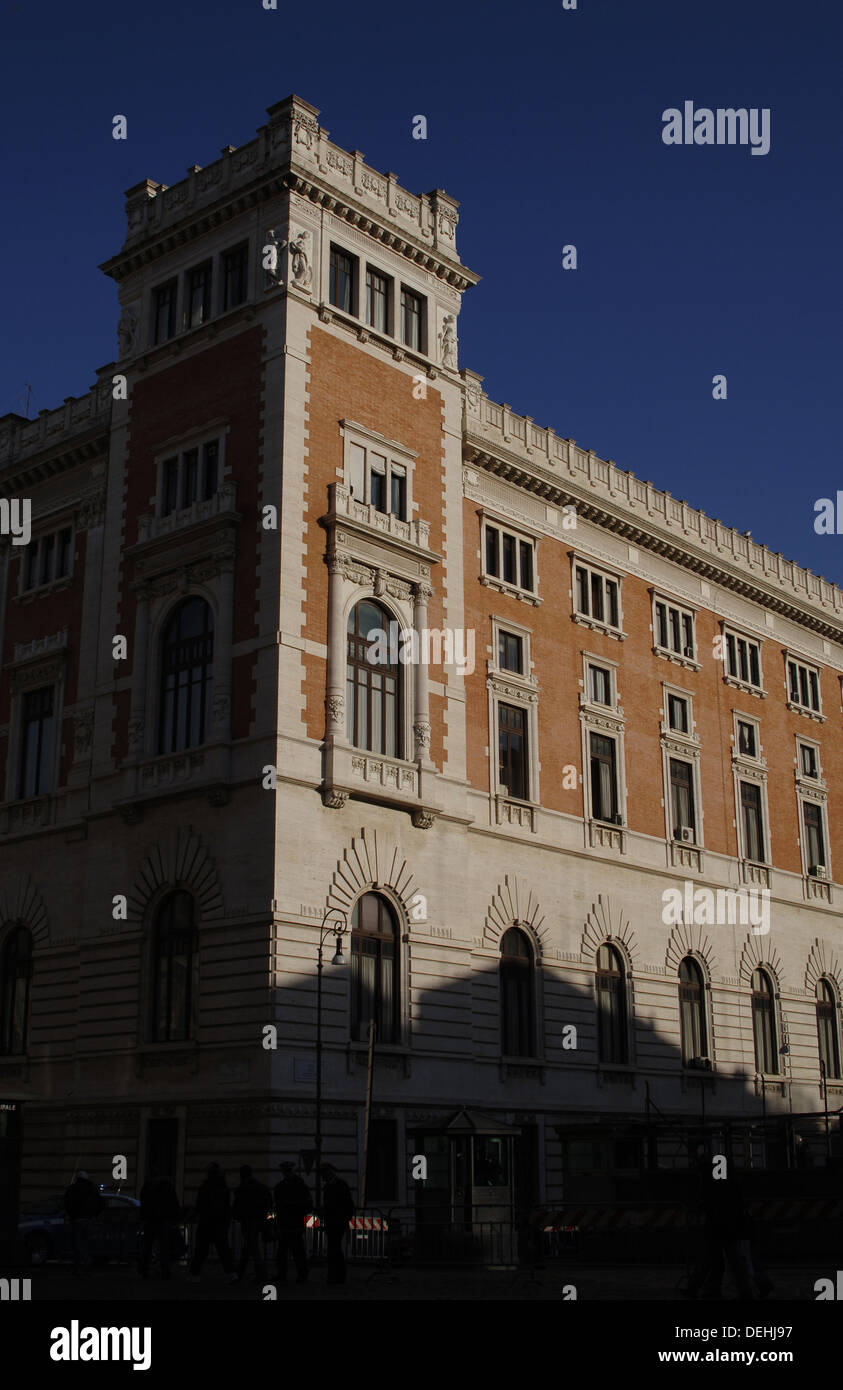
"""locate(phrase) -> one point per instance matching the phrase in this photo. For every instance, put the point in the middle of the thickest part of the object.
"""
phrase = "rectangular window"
(342, 278)
(812, 819)
(169, 486)
(596, 596)
(36, 742)
(199, 295)
(677, 714)
(412, 319)
(31, 572)
(753, 825)
(189, 476)
(804, 685)
(512, 750)
(743, 660)
(377, 300)
(65, 539)
(604, 779)
(511, 653)
(235, 276)
(47, 550)
(164, 302)
(747, 742)
(682, 798)
(398, 491)
(377, 482)
(600, 685)
(210, 464)
(510, 559)
(808, 761)
(674, 629)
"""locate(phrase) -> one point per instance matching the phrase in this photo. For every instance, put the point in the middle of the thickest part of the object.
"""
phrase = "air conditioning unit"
(685, 833)
(688, 651)
(817, 871)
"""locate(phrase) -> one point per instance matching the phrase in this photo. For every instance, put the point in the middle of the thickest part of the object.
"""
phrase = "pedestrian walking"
(724, 1233)
(160, 1210)
(293, 1202)
(213, 1209)
(82, 1205)
(338, 1210)
(252, 1205)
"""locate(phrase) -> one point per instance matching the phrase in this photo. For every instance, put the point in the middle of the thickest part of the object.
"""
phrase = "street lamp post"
(336, 928)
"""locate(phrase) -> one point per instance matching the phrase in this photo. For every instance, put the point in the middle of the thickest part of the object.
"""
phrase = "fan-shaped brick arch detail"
(756, 954)
(604, 923)
(689, 939)
(370, 862)
(514, 906)
(185, 862)
(823, 961)
(20, 901)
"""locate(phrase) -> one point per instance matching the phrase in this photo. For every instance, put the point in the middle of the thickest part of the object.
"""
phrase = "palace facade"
(286, 457)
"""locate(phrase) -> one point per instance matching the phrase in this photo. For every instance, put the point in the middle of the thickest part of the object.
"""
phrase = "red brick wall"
(346, 383)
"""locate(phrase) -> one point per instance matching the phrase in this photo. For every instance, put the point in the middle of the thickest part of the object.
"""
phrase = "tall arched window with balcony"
(15, 982)
(692, 1022)
(374, 969)
(612, 1030)
(187, 657)
(174, 950)
(764, 1024)
(518, 1024)
(828, 1036)
(373, 681)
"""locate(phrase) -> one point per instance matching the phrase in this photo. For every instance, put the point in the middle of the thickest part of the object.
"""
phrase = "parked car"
(114, 1233)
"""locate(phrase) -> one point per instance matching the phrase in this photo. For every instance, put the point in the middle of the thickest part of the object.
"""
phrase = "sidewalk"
(368, 1282)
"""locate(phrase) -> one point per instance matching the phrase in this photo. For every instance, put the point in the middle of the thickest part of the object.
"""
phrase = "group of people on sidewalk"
(250, 1204)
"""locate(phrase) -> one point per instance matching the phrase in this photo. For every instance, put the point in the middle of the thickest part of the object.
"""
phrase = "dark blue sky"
(546, 125)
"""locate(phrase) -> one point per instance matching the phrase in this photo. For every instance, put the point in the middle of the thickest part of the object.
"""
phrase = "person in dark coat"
(213, 1208)
(252, 1204)
(82, 1205)
(293, 1202)
(725, 1229)
(338, 1208)
(159, 1211)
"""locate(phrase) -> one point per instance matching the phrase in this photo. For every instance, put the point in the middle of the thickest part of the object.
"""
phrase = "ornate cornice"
(562, 475)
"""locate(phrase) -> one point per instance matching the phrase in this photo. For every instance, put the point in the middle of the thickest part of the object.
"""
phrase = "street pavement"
(56, 1282)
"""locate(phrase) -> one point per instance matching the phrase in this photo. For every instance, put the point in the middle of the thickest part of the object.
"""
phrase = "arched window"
(374, 969)
(611, 1006)
(827, 1034)
(187, 654)
(15, 980)
(373, 681)
(764, 1024)
(518, 1032)
(174, 950)
(692, 1011)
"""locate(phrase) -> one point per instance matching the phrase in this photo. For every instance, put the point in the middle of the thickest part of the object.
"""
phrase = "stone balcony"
(344, 505)
(223, 502)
